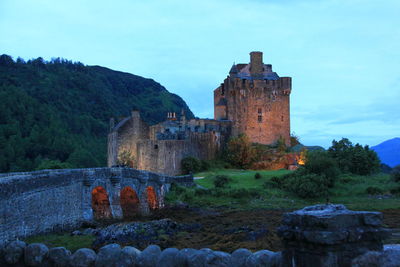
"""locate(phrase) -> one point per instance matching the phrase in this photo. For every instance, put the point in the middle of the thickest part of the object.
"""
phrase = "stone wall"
(164, 156)
(41, 201)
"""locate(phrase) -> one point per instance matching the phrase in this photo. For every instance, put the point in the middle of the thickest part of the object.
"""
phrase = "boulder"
(218, 259)
(35, 254)
(14, 251)
(198, 258)
(108, 255)
(183, 256)
(149, 256)
(167, 258)
(59, 256)
(260, 258)
(83, 257)
(239, 257)
(390, 257)
(128, 257)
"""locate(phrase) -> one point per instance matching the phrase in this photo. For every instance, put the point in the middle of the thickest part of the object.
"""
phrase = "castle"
(252, 100)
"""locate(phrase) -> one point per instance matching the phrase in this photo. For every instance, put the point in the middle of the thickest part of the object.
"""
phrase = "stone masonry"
(256, 100)
(329, 236)
(252, 100)
(43, 201)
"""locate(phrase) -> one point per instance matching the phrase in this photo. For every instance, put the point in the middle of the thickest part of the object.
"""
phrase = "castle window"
(259, 118)
(155, 146)
(281, 118)
(259, 110)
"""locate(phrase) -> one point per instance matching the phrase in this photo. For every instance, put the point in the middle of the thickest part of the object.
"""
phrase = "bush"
(201, 192)
(241, 153)
(347, 179)
(205, 165)
(307, 185)
(395, 191)
(221, 181)
(190, 165)
(395, 174)
(320, 163)
(242, 193)
(373, 190)
(257, 176)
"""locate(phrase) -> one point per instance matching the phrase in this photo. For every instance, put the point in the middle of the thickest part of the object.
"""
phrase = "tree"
(354, 158)
(241, 153)
(47, 164)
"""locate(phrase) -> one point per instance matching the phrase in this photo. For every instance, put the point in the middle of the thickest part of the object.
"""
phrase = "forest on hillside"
(56, 113)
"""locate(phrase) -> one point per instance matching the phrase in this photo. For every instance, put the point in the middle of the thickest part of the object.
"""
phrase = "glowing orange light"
(129, 202)
(151, 198)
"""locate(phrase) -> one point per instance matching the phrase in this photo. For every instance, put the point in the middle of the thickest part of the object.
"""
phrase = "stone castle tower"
(256, 100)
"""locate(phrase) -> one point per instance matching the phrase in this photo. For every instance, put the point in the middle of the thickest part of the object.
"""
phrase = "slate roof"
(244, 73)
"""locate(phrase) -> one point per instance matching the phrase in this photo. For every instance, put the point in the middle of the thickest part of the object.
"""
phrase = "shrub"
(221, 181)
(241, 153)
(320, 163)
(395, 191)
(205, 165)
(373, 190)
(201, 191)
(242, 193)
(257, 176)
(306, 186)
(395, 174)
(190, 165)
(347, 179)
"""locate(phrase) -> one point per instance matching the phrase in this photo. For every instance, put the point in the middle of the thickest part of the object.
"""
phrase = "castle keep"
(256, 100)
(252, 100)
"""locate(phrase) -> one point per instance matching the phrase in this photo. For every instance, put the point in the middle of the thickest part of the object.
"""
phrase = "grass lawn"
(72, 243)
(244, 191)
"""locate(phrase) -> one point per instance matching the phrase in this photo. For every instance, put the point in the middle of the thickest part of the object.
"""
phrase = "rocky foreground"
(320, 236)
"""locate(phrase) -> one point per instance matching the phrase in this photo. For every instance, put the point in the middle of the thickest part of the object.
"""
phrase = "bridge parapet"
(40, 201)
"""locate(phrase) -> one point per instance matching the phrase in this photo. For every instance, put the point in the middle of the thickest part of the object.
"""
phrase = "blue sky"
(343, 55)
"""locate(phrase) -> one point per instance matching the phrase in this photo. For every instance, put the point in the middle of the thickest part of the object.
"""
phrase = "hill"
(58, 112)
(389, 151)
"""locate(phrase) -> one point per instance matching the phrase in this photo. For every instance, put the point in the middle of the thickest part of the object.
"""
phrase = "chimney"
(256, 63)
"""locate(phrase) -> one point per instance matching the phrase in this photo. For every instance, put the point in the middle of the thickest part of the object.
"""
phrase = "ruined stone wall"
(125, 136)
(258, 108)
(40, 201)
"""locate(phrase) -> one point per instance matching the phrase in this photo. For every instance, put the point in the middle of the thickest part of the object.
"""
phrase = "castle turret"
(256, 63)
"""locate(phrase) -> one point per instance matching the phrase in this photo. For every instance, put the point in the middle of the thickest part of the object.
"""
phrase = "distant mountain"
(59, 111)
(389, 151)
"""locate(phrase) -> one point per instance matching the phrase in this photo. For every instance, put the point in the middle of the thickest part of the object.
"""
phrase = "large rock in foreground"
(329, 235)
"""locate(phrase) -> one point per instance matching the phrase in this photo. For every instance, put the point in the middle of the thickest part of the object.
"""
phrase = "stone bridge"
(48, 200)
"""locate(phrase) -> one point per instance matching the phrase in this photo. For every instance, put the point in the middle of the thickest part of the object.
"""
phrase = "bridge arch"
(151, 197)
(129, 202)
(101, 203)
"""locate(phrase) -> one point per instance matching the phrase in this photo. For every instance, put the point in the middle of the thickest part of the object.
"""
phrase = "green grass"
(72, 243)
(245, 192)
